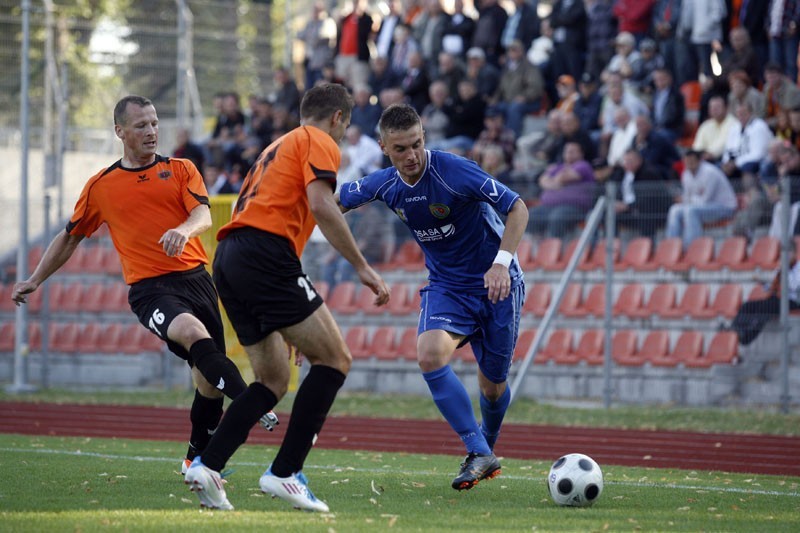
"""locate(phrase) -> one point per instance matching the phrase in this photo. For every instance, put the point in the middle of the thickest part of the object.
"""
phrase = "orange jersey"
(273, 196)
(139, 205)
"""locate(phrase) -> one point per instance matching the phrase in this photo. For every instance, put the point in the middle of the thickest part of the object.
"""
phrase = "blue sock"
(452, 399)
(493, 414)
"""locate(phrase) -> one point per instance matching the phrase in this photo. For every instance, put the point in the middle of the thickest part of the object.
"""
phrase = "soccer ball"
(576, 480)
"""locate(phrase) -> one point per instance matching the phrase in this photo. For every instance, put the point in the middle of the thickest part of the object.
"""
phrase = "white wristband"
(504, 258)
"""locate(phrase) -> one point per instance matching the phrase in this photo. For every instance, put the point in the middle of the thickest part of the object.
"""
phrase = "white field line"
(146, 459)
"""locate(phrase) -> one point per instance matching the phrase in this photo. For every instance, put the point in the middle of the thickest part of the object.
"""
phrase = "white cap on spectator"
(476, 52)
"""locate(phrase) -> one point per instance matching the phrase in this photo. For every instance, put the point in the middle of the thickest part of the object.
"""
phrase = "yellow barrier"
(221, 207)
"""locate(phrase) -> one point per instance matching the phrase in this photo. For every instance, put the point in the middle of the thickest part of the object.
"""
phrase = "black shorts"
(157, 301)
(261, 284)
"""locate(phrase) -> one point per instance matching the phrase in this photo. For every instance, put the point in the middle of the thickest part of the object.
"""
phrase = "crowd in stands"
(691, 106)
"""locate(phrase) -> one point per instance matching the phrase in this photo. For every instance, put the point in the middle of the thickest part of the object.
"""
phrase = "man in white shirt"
(707, 196)
(747, 143)
(712, 135)
(361, 154)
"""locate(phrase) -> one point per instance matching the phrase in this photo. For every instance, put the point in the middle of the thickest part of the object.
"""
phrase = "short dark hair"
(325, 99)
(398, 117)
(120, 110)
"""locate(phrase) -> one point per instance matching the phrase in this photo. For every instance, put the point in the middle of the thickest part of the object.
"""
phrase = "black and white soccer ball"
(575, 480)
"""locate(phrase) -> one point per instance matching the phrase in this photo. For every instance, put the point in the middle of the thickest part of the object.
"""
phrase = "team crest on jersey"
(439, 210)
(401, 213)
(165, 174)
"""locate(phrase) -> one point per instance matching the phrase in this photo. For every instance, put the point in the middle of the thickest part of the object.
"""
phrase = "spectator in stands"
(627, 60)
(741, 56)
(572, 132)
(485, 75)
(352, 45)
(384, 38)
(188, 149)
(494, 132)
(365, 114)
(601, 29)
(223, 138)
(361, 154)
(746, 145)
(429, 28)
(643, 198)
(286, 92)
(234, 178)
(634, 16)
(789, 166)
(656, 149)
(568, 190)
(415, 82)
(535, 151)
(457, 37)
(492, 19)
(156, 232)
(668, 107)
(780, 94)
(567, 93)
(621, 142)
(318, 51)
(329, 75)
(753, 18)
(381, 76)
(712, 135)
(742, 90)
(520, 90)
(783, 18)
(759, 193)
(282, 121)
(522, 25)
(701, 27)
(617, 95)
(404, 46)
(261, 121)
(436, 115)
(666, 16)
(540, 52)
(753, 315)
(706, 196)
(568, 20)
(650, 61)
(466, 119)
(588, 105)
(494, 163)
(448, 70)
(794, 124)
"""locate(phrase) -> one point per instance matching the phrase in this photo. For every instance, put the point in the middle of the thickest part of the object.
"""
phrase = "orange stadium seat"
(594, 304)
(149, 342)
(692, 94)
(758, 292)
(35, 336)
(74, 264)
(356, 341)
(93, 261)
(400, 302)
(70, 300)
(629, 300)
(65, 337)
(525, 253)
(537, 299)
(548, 254)
(688, 349)
(597, 259)
(725, 303)
(623, 348)
(365, 302)
(342, 296)
(323, 289)
(111, 264)
(6, 304)
(569, 251)
(662, 298)
(110, 338)
(92, 300)
(409, 256)
(655, 346)
(382, 344)
(406, 347)
(699, 253)
(723, 348)
(89, 338)
(637, 253)
(524, 343)
(116, 298)
(668, 253)
(695, 297)
(571, 300)
(558, 346)
(732, 252)
(590, 347)
(8, 336)
(765, 254)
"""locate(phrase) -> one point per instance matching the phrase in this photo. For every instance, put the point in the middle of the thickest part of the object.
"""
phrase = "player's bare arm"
(58, 252)
(497, 279)
(175, 239)
(334, 227)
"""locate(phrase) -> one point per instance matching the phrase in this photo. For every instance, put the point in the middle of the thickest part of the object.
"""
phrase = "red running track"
(758, 454)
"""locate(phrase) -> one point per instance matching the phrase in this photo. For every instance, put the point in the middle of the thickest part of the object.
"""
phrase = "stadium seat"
(637, 253)
(409, 257)
(571, 300)
(524, 343)
(115, 299)
(668, 253)
(758, 292)
(365, 302)
(688, 350)
(623, 348)
(406, 347)
(93, 261)
(8, 336)
(597, 259)
(593, 305)
(590, 347)
(733, 251)
(342, 297)
(111, 264)
(35, 254)
(89, 338)
(655, 346)
(569, 251)
(695, 298)
(382, 343)
(765, 255)
(356, 341)
(629, 300)
(558, 346)
(548, 254)
(662, 297)
(36, 300)
(131, 338)
(110, 339)
(525, 253)
(723, 348)
(726, 302)
(6, 303)
(65, 337)
(699, 253)
(74, 264)
(70, 300)
(35, 336)
(400, 302)
(149, 342)
(323, 289)
(92, 300)
(537, 299)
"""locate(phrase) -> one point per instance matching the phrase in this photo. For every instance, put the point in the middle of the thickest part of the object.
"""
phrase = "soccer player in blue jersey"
(476, 288)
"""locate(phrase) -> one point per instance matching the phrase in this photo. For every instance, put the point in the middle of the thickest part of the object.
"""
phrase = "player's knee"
(430, 360)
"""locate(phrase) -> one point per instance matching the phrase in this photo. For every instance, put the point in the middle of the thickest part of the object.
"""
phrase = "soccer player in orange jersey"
(270, 301)
(155, 208)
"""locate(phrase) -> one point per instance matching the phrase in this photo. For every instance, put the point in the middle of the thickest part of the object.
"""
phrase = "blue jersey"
(452, 212)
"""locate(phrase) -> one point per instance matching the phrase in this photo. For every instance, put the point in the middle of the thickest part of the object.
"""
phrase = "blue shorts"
(491, 329)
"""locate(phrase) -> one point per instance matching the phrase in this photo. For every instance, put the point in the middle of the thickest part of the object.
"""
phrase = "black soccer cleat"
(475, 468)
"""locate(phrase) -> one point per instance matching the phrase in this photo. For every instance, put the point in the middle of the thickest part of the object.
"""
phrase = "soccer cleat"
(269, 421)
(207, 484)
(476, 467)
(185, 464)
(294, 489)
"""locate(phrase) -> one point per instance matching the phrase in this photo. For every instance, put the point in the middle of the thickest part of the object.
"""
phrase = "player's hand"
(498, 282)
(173, 242)
(21, 289)
(372, 279)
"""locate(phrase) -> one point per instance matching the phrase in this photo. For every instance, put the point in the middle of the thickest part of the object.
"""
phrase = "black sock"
(311, 405)
(205, 415)
(217, 368)
(239, 419)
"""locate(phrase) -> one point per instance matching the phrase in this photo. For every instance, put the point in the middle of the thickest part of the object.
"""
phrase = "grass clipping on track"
(79, 484)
